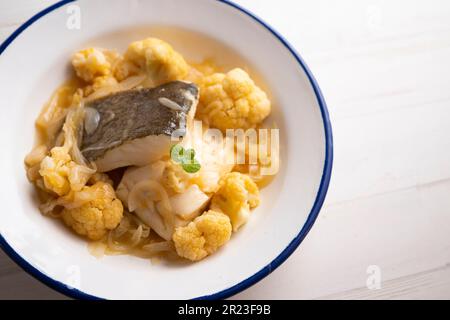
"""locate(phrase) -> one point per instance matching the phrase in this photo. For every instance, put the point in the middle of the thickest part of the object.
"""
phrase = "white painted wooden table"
(384, 68)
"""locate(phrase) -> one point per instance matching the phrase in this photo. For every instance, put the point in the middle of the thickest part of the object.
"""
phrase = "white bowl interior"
(38, 61)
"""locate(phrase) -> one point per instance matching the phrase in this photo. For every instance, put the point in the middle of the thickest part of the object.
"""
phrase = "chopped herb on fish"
(192, 166)
(185, 157)
(177, 153)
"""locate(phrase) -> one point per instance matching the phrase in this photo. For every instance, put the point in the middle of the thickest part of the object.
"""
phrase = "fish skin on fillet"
(135, 127)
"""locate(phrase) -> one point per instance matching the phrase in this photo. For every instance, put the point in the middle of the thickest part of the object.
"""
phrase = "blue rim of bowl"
(320, 197)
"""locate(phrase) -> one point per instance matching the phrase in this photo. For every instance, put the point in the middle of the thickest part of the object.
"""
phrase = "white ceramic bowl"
(35, 60)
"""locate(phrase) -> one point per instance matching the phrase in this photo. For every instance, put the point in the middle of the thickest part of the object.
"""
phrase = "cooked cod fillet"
(135, 127)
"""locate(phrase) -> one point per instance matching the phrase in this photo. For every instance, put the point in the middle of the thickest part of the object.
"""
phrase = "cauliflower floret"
(232, 101)
(159, 59)
(61, 174)
(95, 217)
(236, 196)
(203, 236)
(123, 69)
(91, 63)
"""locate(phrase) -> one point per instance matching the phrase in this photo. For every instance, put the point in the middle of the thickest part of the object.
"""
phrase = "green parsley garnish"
(185, 157)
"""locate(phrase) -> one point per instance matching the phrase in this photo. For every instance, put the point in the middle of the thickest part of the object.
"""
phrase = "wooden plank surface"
(384, 70)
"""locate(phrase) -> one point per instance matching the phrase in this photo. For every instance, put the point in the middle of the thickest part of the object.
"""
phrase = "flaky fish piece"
(136, 127)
